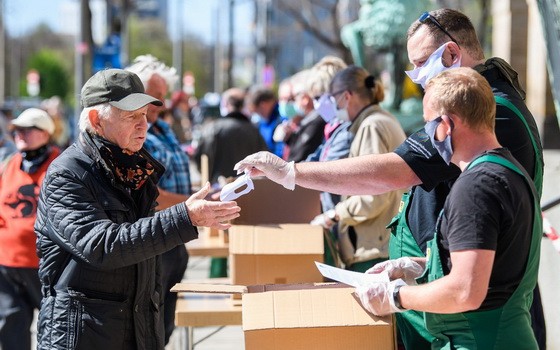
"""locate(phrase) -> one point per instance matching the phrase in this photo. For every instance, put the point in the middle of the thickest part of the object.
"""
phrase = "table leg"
(190, 338)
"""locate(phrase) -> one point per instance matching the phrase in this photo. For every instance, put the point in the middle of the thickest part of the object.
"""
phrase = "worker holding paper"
(482, 263)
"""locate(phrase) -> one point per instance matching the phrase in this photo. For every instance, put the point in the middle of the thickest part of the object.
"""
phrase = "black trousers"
(20, 295)
(174, 265)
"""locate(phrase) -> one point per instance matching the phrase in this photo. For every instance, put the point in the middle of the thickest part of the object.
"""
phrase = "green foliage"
(149, 36)
(55, 80)
(197, 58)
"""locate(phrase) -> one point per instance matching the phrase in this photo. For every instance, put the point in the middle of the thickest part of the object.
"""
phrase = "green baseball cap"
(119, 88)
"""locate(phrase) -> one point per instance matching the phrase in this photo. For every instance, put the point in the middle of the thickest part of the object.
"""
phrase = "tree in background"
(149, 36)
(323, 19)
(23, 48)
(54, 77)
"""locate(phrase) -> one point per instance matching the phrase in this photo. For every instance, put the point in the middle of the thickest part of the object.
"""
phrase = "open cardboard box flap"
(315, 316)
(218, 288)
(209, 288)
(293, 305)
(271, 203)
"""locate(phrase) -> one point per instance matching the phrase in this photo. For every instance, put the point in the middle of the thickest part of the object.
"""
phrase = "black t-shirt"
(437, 177)
(490, 207)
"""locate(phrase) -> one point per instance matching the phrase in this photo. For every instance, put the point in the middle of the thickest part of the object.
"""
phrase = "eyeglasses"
(337, 93)
(427, 17)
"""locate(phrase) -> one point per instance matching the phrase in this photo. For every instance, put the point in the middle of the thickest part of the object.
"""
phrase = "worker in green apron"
(411, 326)
(506, 327)
(502, 317)
(407, 242)
(416, 161)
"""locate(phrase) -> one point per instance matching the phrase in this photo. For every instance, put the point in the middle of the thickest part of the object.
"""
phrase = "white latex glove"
(280, 133)
(404, 268)
(271, 166)
(377, 298)
(322, 220)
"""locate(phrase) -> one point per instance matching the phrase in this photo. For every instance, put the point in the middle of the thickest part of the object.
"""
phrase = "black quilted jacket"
(98, 248)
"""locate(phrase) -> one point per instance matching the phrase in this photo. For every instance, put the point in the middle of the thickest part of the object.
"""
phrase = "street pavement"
(549, 272)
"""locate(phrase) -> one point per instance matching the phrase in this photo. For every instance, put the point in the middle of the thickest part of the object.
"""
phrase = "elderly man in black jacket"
(98, 237)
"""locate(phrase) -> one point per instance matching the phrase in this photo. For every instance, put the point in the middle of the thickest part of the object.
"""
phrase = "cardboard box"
(324, 316)
(270, 203)
(202, 310)
(209, 233)
(272, 254)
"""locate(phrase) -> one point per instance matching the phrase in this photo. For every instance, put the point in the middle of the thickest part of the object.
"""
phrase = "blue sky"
(21, 16)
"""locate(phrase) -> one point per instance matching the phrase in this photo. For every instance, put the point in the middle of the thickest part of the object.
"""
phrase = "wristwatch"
(331, 214)
(397, 298)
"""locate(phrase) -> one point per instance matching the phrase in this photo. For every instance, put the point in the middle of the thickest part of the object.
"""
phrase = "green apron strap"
(506, 327)
(538, 175)
(504, 162)
(495, 159)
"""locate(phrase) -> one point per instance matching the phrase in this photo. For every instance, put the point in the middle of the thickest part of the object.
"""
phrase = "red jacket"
(19, 193)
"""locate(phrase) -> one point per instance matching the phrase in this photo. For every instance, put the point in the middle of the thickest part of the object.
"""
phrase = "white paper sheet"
(351, 278)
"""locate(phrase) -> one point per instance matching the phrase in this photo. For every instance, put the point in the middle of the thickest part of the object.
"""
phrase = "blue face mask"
(287, 109)
(444, 148)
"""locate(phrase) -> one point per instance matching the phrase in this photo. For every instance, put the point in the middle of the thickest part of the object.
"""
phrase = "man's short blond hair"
(465, 93)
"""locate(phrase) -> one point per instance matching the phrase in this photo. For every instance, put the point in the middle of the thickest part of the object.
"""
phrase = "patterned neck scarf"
(131, 169)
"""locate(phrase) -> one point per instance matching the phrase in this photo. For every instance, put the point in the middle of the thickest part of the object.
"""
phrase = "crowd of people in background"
(329, 111)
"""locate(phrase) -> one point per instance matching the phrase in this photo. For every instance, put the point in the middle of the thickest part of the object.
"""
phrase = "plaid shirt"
(164, 147)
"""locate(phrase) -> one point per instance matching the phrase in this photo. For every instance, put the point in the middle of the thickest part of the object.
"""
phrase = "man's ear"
(454, 51)
(448, 123)
(94, 120)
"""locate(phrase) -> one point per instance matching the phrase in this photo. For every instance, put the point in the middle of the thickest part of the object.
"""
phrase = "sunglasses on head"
(424, 17)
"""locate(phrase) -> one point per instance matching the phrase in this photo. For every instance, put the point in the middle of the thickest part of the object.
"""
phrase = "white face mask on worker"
(432, 67)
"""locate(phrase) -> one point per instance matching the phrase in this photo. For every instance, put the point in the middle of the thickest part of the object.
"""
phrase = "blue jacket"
(337, 146)
(266, 128)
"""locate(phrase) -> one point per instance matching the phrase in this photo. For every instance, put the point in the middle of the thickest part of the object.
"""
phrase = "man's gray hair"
(104, 110)
(147, 65)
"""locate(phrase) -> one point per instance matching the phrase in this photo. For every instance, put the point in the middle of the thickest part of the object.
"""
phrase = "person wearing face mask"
(21, 176)
(417, 162)
(362, 236)
(307, 135)
(288, 111)
(336, 143)
(477, 285)
(286, 107)
(456, 44)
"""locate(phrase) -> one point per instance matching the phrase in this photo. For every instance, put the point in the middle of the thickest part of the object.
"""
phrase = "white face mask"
(342, 113)
(256, 118)
(224, 111)
(431, 68)
(326, 107)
